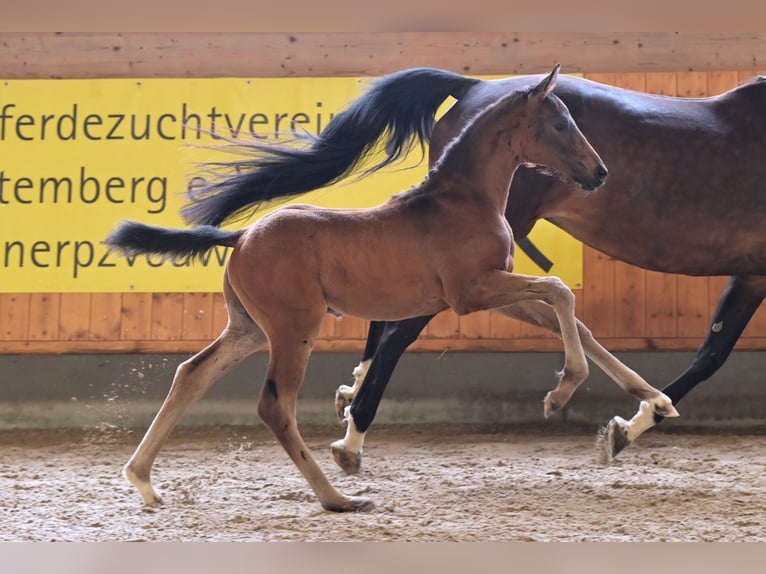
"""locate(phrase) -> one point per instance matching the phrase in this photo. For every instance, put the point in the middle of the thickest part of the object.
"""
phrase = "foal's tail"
(133, 238)
(400, 106)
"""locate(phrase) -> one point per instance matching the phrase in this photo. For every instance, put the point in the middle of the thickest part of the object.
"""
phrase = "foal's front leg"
(498, 289)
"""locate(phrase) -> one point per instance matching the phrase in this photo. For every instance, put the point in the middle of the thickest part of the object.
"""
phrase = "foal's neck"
(481, 161)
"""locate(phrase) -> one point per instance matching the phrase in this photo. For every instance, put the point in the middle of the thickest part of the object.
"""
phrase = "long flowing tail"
(133, 238)
(400, 106)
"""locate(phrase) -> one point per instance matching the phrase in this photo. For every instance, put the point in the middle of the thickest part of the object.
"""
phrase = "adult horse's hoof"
(616, 436)
(611, 440)
(350, 504)
(343, 397)
(350, 461)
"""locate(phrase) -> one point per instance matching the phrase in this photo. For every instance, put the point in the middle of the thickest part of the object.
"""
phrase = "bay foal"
(443, 244)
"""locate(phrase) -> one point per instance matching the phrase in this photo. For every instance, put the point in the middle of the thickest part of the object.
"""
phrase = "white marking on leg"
(354, 440)
(359, 372)
(642, 421)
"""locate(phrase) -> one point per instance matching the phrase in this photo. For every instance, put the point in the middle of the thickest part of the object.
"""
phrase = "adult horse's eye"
(560, 127)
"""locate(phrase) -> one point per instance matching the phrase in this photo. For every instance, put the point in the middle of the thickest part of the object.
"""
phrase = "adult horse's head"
(555, 141)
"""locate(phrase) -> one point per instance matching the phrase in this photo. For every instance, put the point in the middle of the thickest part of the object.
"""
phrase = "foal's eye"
(560, 127)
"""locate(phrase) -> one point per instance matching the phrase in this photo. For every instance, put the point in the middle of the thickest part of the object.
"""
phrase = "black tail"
(401, 106)
(133, 238)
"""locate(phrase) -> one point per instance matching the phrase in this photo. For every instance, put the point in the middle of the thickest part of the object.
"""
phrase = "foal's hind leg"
(541, 314)
(291, 342)
(193, 378)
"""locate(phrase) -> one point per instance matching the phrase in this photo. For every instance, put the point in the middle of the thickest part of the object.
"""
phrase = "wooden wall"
(627, 308)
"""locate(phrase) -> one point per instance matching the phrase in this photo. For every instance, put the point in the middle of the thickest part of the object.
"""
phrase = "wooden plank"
(663, 83)
(502, 327)
(630, 281)
(693, 306)
(167, 316)
(661, 288)
(719, 81)
(661, 304)
(220, 316)
(744, 76)
(14, 316)
(106, 316)
(475, 325)
(44, 316)
(136, 317)
(351, 328)
(528, 331)
(446, 325)
(328, 328)
(74, 318)
(546, 345)
(197, 319)
(598, 293)
(209, 54)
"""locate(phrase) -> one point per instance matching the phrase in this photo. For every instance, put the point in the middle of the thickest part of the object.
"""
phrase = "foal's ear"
(547, 84)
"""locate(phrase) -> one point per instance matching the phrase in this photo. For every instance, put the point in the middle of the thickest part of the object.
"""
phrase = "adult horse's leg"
(740, 300)
(541, 314)
(291, 342)
(193, 378)
(392, 340)
(345, 394)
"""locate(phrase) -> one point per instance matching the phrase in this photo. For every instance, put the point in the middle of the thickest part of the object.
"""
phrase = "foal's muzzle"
(595, 179)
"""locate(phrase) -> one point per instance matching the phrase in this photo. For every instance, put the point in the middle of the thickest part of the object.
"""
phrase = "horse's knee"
(560, 292)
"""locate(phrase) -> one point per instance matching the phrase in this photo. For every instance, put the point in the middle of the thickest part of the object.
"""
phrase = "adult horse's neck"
(480, 162)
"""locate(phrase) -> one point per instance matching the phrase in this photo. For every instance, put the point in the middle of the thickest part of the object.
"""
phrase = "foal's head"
(553, 140)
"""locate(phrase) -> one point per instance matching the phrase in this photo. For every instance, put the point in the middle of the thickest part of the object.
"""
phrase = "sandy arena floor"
(429, 483)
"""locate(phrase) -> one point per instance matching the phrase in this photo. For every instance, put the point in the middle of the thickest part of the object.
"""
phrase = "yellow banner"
(78, 156)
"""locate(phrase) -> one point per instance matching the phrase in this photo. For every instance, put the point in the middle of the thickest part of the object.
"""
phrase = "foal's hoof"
(350, 504)
(350, 461)
(343, 397)
(550, 405)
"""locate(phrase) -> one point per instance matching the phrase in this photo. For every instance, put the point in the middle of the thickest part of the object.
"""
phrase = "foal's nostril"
(601, 172)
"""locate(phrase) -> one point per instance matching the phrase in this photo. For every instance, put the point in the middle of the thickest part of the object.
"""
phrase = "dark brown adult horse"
(443, 244)
(685, 195)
